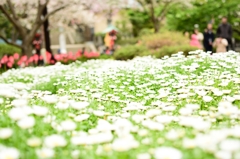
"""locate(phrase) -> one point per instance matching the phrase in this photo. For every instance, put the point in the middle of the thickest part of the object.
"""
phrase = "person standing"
(195, 41)
(220, 45)
(37, 43)
(225, 31)
(208, 38)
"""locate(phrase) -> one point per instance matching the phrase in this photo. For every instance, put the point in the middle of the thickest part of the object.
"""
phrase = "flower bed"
(176, 108)
(15, 60)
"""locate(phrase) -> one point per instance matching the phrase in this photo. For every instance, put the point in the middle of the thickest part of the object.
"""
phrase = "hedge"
(8, 49)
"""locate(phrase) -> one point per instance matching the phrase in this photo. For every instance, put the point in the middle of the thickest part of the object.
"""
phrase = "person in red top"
(37, 44)
(113, 37)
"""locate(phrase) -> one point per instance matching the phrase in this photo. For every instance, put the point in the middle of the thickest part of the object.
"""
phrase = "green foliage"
(169, 50)
(50, 86)
(156, 41)
(8, 49)
(146, 31)
(202, 12)
(5, 25)
(139, 20)
(128, 41)
(129, 52)
(158, 45)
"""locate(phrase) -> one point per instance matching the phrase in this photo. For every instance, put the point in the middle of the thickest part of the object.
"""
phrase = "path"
(75, 47)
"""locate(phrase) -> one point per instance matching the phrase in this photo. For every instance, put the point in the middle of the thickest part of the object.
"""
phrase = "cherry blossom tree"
(26, 16)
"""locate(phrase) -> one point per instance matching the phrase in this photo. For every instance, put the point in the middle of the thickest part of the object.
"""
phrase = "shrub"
(146, 31)
(8, 49)
(129, 52)
(169, 50)
(156, 41)
(128, 41)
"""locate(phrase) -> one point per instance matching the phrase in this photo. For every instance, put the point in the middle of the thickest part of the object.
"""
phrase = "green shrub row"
(158, 45)
(8, 49)
(129, 52)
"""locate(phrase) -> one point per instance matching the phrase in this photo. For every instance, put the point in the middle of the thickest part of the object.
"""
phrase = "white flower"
(138, 118)
(153, 112)
(1, 100)
(40, 111)
(202, 126)
(230, 99)
(104, 126)
(225, 104)
(223, 155)
(9, 153)
(19, 102)
(5, 133)
(55, 141)
(209, 83)
(169, 108)
(45, 153)
(142, 132)
(125, 115)
(193, 106)
(230, 145)
(79, 140)
(16, 114)
(207, 98)
(26, 122)
(153, 125)
(189, 143)
(34, 142)
(167, 153)
(98, 113)
(99, 138)
(144, 156)
(81, 117)
(121, 145)
(172, 135)
(185, 111)
(79, 105)
(164, 119)
(75, 154)
(63, 99)
(51, 99)
(218, 93)
(146, 141)
(62, 106)
(68, 125)
(49, 119)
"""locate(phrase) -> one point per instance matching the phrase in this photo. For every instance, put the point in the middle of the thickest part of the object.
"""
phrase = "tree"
(157, 10)
(26, 18)
(202, 12)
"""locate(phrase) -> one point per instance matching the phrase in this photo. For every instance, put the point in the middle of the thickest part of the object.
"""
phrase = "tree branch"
(12, 9)
(152, 11)
(143, 5)
(8, 16)
(13, 21)
(8, 42)
(54, 11)
(165, 7)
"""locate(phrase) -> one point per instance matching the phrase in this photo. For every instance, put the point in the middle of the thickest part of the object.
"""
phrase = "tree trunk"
(27, 46)
(27, 49)
(156, 27)
(46, 32)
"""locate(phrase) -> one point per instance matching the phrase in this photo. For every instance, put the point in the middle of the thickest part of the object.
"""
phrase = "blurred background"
(154, 23)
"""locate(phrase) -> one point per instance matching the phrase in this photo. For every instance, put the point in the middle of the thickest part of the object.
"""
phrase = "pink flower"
(16, 56)
(10, 65)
